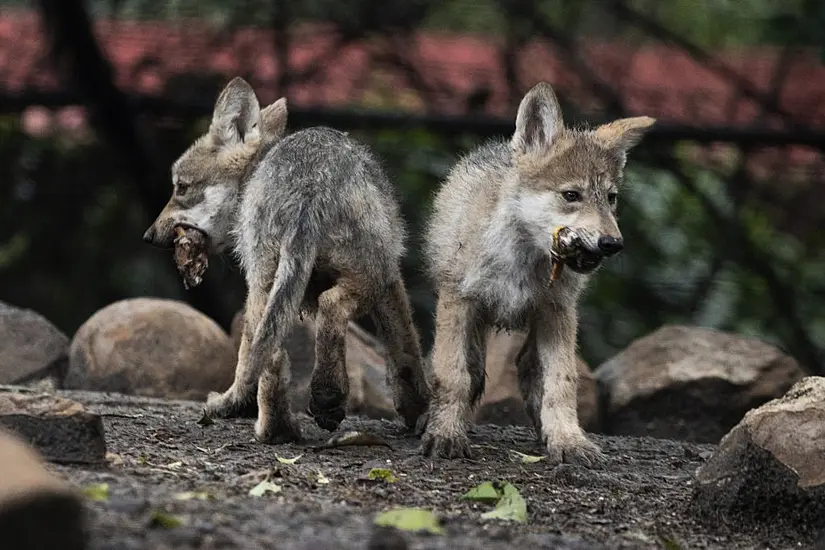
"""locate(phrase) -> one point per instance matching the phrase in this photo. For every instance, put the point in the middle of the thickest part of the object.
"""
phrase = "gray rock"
(502, 403)
(690, 383)
(31, 348)
(366, 366)
(151, 347)
(771, 466)
(60, 429)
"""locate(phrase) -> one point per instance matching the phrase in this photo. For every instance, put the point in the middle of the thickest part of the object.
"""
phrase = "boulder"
(31, 348)
(771, 466)
(690, 383)
(368, 392)
(151, 347)
(61, 430)
(37, 509)
(502, 403)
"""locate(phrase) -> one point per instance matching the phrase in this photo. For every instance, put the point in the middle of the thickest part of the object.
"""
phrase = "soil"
(637, 499)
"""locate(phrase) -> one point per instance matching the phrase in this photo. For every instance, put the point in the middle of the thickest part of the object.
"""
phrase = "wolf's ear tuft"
(538, 122)
(624, 133)
(273, 120)
(237, 114)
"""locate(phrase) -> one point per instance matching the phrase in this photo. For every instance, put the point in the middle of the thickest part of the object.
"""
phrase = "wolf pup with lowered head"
(489, 245)
(314, 222)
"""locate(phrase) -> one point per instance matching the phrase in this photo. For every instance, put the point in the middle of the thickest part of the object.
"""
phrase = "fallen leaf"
(382, 474)
(174, 465)
(142, 460)
(114, 459)
(352, 438)
(321, 479)
(410, 519)
(283, 460)
(669, 543)
(193, 495)
(263, 487)
(486, 492)
(205, 420)
(527, 459)
(162, 519)
(98, 492)
(510, 507)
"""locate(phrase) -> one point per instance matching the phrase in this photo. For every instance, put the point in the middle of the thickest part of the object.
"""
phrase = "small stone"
(690, 383)
(771, 466)
(37, 510)
(61, 430)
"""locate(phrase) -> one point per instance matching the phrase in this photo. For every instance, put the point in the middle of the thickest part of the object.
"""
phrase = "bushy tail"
(297, 258)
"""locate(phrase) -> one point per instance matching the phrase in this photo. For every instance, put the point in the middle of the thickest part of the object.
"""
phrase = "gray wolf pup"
(488, 244)
(314, 222)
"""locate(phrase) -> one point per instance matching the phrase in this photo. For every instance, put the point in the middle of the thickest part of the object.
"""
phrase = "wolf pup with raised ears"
(315, 223)
(490, 245)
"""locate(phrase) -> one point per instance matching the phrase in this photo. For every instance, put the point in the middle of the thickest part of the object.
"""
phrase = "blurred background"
(722, 212)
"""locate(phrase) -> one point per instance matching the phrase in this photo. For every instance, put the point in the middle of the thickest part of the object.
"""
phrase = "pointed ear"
(273, 119)
(539, 120)
(624, 133)
(236, 115)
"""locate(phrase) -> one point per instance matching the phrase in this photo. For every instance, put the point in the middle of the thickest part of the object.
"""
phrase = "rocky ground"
(158, 453)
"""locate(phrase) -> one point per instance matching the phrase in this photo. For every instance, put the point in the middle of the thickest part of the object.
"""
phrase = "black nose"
(149, 236)
(610, 245)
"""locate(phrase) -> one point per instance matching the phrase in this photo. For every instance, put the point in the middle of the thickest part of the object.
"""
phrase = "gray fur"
(314, 222)
(488, 244)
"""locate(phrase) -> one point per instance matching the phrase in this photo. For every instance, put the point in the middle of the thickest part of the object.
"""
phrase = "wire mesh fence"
(720, 209)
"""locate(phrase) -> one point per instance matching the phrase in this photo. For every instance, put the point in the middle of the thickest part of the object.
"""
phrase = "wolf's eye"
(571, 196)
(182, 189)
(612, 197)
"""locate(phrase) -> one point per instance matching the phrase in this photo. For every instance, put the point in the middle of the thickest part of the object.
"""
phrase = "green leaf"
(321, 479)
(263, 487)
(283, 460)
(162, 519)
(669, 543)
(527, 459)
(193, 495)
(511, 506)
(410, 519)
(382, 474)
(486, 492)
(98, 492)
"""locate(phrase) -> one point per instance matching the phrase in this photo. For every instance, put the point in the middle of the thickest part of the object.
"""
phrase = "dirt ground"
(638, 499)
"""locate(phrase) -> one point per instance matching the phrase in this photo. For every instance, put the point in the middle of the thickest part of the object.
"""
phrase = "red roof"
(660, 81)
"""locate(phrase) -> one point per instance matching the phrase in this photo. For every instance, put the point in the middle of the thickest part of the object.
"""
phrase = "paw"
(413, 410)
(227, 405)
(275, 430)
(455, 446)
(421, 424)
(572, 449)
(327, 408)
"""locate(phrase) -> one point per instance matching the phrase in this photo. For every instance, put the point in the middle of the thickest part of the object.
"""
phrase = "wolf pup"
(314, 222)
(489, 244)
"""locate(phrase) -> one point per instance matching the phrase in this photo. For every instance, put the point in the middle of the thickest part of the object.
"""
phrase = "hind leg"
(458, 377)
(239, 399)
(405, 372)
(276, 423)
(329, 387)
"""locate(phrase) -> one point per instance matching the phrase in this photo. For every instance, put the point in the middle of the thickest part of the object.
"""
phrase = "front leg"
(458, 377)
(240, 399)
(548, 377)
